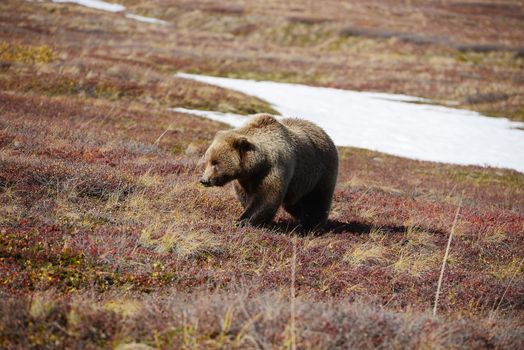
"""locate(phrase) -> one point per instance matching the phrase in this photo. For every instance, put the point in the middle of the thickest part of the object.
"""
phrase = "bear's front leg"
(241, 194)
(259, 211)
(263, 205)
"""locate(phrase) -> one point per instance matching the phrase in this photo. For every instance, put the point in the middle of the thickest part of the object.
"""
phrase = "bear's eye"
(214, 162)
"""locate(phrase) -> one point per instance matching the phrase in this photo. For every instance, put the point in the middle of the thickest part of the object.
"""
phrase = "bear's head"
(224, 158)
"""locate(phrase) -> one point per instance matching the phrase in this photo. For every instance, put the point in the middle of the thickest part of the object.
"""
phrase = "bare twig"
(160, 137)
(439, 285)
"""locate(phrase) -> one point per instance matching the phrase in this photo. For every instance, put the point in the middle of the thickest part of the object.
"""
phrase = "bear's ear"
(242, 143)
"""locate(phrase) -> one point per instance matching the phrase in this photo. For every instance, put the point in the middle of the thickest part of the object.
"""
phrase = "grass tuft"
(27, 54)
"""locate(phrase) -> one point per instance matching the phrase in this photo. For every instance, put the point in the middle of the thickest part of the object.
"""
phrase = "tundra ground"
(107, 239)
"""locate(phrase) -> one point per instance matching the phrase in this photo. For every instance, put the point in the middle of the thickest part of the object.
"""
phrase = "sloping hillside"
(107, 239)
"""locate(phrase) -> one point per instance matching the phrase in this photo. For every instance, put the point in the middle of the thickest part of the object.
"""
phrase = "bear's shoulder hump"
(262, 120)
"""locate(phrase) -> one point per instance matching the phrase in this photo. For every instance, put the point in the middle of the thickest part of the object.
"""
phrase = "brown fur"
(292, 163)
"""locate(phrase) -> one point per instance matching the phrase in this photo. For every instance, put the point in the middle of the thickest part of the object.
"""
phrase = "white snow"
(95, 4)
(146, 19)
(386, 122)
(106, 6)
(229, 118)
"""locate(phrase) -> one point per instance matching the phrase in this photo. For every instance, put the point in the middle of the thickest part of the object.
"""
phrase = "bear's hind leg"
(296, 210)
(313, 209)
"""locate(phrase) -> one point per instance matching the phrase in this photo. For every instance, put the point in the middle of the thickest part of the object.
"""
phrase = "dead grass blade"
(439, 285)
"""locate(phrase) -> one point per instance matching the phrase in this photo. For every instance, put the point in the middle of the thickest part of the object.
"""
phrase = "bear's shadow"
(333, 227)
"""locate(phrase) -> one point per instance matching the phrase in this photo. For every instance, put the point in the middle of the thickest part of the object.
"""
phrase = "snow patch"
(146, 19)
(95, 4)
(232, 119)
(387, 123)
(106, 6)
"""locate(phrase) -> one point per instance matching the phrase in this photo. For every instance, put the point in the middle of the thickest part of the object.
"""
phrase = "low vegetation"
(108, 241)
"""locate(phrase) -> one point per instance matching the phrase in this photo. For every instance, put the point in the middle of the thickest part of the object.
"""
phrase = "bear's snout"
(205, 182)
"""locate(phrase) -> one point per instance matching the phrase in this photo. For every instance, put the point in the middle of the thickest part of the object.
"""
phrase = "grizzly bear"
(292, 163)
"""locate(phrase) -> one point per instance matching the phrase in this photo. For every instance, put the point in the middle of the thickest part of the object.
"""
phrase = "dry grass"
(445, 258)
(12, 52)
(234, 320)
(365, 253)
